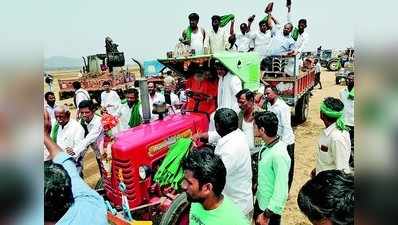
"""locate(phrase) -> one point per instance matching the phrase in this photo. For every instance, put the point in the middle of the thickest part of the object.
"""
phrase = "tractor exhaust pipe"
(144, 95)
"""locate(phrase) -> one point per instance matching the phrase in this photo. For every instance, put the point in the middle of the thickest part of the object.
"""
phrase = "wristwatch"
(268, 213)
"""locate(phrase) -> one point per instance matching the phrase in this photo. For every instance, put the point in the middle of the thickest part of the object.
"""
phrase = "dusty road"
(306, 138)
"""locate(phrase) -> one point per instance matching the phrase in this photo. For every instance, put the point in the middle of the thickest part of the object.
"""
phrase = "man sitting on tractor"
(204, 181)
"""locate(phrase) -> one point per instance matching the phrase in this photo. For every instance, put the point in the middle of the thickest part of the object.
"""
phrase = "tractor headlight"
(144, 172)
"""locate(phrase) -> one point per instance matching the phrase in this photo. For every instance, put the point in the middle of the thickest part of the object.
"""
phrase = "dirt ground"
(306, 138)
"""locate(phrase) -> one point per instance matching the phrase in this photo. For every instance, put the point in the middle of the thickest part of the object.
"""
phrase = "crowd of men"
(246, 177)
(270, 40)
(254, 141)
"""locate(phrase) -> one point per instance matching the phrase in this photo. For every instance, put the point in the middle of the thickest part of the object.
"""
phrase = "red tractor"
(138, 152)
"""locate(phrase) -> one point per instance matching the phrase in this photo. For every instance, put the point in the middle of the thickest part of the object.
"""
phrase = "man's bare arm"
(249, 22)
(52, 148)
(231, 28)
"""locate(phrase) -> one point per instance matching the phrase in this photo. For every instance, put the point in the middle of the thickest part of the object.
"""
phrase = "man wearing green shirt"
(204, 181)
(273, 171)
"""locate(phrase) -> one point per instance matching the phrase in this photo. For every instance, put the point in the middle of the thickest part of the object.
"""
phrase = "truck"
(97, 69)
(138, 152)
(293, 83)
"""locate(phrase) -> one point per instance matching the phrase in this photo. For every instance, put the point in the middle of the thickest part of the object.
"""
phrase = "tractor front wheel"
(178, 213)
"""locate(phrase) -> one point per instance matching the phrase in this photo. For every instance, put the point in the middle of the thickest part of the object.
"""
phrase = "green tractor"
(334, 60)
(330, 60)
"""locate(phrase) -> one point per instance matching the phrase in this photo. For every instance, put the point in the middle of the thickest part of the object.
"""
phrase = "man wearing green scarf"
(347, 97)
(193, 35)
(130, 114)
(334, 143)
(67, 133)
(298, 33)
(217, 40)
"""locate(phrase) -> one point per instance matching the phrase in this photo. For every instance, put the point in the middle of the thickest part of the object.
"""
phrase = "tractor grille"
(111, 184)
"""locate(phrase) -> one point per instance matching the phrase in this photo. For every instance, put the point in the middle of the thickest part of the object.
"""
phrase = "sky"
(148, 29)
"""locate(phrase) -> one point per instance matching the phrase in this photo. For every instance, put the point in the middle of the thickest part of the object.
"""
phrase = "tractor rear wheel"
(178, 213)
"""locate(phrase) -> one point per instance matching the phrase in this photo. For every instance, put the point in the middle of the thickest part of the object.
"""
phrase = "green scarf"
(295, 33)
(170, 171)
(265, 19)
(226, 19)
(135, 117)
(84, 125)
(54, 132)
(188, 34)
(351, 94)
(340, 124)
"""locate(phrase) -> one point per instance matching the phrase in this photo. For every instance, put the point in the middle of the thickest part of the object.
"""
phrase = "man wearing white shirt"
(347, 97)
(217, 38)
(233, 148)
(130, 112)
(228, 86)
(110, 100)
(262, 39)
(80, 94)
(154, 96)
(92, 126)
(317, 73)
(170, 97)
(66, 133)
(300, 36)
(50, 105)
(282, 43)
(244, 42)
(194, 36)
(276, 105)
(334, 146)
(298, 33)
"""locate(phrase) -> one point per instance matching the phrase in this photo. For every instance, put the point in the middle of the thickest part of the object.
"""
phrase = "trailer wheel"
(178, 213)
(302, 109)
(337, 80)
